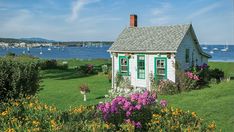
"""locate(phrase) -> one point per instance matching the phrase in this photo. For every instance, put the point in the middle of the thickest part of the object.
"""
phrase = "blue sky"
(68, 20)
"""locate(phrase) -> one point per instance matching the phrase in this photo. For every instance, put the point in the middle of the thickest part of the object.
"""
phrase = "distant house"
(142, 52)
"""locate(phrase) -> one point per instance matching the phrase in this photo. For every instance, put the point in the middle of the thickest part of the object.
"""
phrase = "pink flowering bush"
(191, 75)
(134, 109)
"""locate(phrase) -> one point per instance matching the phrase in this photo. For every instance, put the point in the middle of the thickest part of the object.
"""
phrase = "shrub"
(125, 83)
(216, 74)
(141, 112)
(53, 64)
(167, 87)
(130, 110)
(175, 119)
(10, 54)
(86, 69)
(18, 76)
(118, 79)
(105, 69)
(125, 92)
(186, 81)
(109, 76)
(49, 64)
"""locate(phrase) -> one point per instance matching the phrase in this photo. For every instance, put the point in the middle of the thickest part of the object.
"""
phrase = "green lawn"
(61, 88)
(213, 103)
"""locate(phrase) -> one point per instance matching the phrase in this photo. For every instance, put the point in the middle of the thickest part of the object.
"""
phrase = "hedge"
(18, 76)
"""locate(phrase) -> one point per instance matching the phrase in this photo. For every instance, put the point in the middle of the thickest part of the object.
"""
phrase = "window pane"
(141, 66)
(187, 55)
(160, 71)
(141, 58)
(160, 63)
(123, 61)
(123, 68)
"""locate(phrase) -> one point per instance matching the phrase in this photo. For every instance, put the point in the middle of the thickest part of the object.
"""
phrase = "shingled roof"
(150, 39)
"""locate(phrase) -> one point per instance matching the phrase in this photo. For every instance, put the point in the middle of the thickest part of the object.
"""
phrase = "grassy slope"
(213, 103)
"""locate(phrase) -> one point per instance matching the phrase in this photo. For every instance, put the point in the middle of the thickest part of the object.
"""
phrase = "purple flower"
(138, 125)
(128, 113)
(163, 103)
(126, 106)
(138, 107)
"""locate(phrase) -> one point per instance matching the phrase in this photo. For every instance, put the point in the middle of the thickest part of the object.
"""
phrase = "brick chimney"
(133, 20)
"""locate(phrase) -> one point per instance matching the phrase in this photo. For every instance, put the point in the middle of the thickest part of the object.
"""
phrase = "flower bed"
(137, 112)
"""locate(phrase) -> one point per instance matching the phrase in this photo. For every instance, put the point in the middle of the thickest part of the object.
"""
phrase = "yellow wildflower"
(4, 113)
(35, 123)
(10, 130)
(53, 124)
(30, 105)
(36, 129)
(157, 121)
(16, 103)
(212, 125)
(13, 120)
(28, 97)
(107, 126)
(46, 107)
(194, 114)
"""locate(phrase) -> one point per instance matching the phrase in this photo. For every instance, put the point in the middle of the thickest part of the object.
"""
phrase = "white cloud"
(204, 10)
(77, 6)
(160, 14)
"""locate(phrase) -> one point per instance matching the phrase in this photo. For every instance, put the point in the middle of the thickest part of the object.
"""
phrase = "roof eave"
(122, 51)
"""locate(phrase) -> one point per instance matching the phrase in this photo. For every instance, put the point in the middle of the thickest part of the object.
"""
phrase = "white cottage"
(142, 52)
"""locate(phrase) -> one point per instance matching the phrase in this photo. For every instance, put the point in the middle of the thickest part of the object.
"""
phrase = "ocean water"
(219, 55)
(101, 52)
(91, 52)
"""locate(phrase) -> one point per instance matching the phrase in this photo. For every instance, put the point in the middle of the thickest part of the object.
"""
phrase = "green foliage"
(18, 76)
(52, 64)
(87, 69)
(217, 74)
(105, 69)
(28, 114)
(118, 79)
(184, 83)
(175, 119)
(167, 87)
(227, 67)
(11, 54)
(109, 76)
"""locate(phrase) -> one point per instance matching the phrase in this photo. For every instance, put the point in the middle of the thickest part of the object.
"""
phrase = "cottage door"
(160, 68)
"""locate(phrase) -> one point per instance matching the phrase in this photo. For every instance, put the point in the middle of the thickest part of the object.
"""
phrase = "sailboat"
(215, 49)
(41, 51)
(204, 47)
(28, 49)
(49, 49)
(225, 49)
(212, 52)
